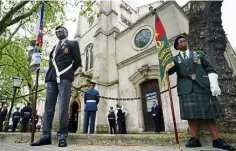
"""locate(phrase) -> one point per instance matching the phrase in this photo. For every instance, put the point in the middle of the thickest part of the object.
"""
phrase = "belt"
(190, 77)
(90, 101)
(185, 77)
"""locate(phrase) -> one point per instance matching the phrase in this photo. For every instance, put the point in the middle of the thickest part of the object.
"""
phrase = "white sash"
(59, 73)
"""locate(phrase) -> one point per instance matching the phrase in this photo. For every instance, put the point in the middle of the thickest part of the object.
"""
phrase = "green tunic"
(196, 101)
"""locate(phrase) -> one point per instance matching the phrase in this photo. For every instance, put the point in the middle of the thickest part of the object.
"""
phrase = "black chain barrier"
(112, 98)
(125, 99)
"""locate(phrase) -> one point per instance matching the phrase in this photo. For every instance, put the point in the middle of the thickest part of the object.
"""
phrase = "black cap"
(61, 27)
(176, 41)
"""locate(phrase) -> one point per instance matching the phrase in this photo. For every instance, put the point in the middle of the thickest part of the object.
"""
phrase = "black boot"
(42, 141)
(220, 143)
(62, 143)
(193, 142)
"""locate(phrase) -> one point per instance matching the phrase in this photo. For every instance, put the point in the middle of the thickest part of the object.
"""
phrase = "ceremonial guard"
(26, 113)
(197, 86)
(91, 100)
(64, 60)
(15, 119)
(112, 120)
(156, 116)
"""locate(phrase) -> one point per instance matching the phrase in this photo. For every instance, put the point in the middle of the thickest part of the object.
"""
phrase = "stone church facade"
(119, 52)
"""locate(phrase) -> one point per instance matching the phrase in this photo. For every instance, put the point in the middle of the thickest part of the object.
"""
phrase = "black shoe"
(42, 141)
(220, 143)
(193, 142)
(62, 143)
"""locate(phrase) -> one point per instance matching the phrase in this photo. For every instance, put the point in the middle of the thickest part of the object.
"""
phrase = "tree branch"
(17, 19)
(12, 12)
(11, 36)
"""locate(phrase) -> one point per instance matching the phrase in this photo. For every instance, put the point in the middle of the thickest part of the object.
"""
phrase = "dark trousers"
(14, 125)
(157, 120)
(24, 125)
(122, 126)
(89, 115)
(62, 91)
(112, 125)
(1, 126)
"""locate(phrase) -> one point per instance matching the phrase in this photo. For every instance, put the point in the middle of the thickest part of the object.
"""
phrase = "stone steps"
(112, 140)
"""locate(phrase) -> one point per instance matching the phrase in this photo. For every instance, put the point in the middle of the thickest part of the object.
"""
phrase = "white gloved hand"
(214, 86)
(79, 69)
(43, 69)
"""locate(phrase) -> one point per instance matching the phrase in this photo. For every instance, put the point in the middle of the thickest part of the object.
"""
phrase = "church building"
(119, 52)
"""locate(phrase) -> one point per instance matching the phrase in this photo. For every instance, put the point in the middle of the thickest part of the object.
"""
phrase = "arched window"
(89, 57)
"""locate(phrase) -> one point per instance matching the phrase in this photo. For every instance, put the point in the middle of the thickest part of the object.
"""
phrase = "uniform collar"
(63, 41)
(182, 53)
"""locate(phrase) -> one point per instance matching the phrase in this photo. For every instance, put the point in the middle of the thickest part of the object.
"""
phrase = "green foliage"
(17, 29)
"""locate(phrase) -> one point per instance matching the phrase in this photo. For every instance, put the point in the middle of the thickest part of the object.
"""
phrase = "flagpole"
(34, 106)
(39, 42)
(173, 112)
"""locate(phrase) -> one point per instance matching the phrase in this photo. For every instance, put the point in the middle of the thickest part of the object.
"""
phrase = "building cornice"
(137, 57)
(143, 54)
(108, 13)
(106, 33)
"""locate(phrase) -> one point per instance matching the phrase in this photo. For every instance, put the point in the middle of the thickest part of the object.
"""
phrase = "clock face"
(142, 38)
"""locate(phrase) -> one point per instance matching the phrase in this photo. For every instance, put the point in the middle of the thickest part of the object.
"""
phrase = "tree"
(15, 14)
(206, 33)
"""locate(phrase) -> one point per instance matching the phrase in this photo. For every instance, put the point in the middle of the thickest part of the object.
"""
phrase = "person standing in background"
(156, 116)
(15, 119)
(112, 120)
(91, 100)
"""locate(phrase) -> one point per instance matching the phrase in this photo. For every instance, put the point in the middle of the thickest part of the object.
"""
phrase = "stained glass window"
(142, 38)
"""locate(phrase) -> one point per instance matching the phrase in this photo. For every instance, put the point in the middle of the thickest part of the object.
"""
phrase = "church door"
(148, 88)
(74, 117)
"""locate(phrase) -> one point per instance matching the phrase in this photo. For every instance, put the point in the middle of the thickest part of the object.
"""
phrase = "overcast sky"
(228, 17)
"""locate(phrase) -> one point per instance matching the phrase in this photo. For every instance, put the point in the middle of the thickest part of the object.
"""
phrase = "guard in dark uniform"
(3, 115)
(15, 119)
(64, 60)
(91, 101)
(26, 113)
(156, 116)
(112, 120)
(197, 85)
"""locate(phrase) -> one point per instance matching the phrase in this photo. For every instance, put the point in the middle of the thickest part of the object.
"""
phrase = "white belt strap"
(90, 101)
(59, 73)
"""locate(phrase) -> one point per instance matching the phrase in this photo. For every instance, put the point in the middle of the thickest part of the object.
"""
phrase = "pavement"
(27, 147)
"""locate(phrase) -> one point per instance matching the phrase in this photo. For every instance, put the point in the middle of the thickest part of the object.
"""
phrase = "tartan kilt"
(200, 106)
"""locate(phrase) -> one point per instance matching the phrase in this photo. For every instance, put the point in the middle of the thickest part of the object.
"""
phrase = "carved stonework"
(126, 8)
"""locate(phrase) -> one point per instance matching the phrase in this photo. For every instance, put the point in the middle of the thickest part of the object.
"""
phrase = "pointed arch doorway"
(150, 87)
(73, 123)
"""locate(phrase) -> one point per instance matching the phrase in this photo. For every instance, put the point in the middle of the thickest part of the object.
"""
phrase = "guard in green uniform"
(197, 86)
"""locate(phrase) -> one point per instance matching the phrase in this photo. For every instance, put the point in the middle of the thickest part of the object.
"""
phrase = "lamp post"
(16, 82)
(4, 99)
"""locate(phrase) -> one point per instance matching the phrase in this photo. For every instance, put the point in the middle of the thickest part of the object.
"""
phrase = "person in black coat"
(15, 119)
(26, 113)
(64, 60)
(3, 115)
(112, 120)
(156, 116)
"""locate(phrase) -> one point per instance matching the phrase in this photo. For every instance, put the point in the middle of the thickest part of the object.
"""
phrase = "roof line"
(144, 17)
